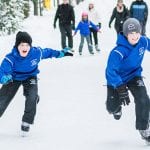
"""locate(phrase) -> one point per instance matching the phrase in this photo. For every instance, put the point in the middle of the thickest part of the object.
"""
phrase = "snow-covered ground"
(71, 114)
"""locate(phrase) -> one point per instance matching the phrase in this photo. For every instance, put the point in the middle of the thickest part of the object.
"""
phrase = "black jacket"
(119, 17)
(65, 14)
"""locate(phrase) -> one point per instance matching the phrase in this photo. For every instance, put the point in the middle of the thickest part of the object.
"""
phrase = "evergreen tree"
(11, 16)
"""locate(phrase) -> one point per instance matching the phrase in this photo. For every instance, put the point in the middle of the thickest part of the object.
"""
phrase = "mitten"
(6, 79)
(123, 94)
(65, 52)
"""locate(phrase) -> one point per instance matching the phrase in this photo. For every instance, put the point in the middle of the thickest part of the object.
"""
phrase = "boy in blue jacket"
(124, 72)
(84, 27)
(20, 67)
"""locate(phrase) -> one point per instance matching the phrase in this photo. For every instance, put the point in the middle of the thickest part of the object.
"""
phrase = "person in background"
(84, 27)
(66, 16)
(139, 10)
(20, 67)
(124, 73)
(95, 18)
(120, 14)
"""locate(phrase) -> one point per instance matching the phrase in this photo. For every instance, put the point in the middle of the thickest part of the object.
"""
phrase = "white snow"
(71, 114)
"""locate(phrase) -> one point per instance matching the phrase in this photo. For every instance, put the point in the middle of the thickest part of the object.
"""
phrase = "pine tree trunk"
(26, 8)
(35, 3)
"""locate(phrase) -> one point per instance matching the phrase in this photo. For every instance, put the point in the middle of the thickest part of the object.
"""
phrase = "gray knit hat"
(131, 25)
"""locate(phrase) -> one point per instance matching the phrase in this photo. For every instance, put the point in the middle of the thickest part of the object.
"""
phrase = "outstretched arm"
(49, 53)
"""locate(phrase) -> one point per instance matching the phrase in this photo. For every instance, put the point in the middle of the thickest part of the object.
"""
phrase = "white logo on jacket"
(34, 62)
(141, 51)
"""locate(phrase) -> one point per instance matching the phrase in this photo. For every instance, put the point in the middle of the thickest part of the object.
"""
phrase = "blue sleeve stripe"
(9, 60)
(119, 53)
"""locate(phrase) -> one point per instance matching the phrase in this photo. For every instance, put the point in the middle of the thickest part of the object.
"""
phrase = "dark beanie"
(131, 25)
(23, 37)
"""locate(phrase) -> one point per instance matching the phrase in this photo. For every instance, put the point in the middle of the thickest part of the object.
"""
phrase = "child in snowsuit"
(83, 26)
(20, 67)
(124, 72)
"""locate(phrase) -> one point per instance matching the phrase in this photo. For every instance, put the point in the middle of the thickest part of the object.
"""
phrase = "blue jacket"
(139, 10)
(124, 62)
(83, 26)
(22, 68)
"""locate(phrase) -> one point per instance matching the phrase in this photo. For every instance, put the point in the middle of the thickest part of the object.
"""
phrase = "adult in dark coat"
(66, 16)
(120, 14)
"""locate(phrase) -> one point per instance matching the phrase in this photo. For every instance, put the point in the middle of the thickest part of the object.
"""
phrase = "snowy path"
(71, 114)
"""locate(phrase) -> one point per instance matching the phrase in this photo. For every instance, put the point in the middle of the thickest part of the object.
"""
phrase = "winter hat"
(23, 37)
(84, 14)
(131, 25)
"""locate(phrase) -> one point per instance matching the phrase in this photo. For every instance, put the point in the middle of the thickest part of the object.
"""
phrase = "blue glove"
(66, 49)
(65, 52)
(61, 54)
(6, 79)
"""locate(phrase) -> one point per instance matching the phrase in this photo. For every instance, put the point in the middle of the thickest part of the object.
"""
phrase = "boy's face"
(133, 38)
(23, 49)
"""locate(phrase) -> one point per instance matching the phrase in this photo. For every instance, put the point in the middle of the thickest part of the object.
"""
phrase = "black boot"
(117, 115)
(25, 127)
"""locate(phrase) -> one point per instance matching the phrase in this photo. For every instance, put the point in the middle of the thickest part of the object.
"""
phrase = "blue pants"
(90, 48)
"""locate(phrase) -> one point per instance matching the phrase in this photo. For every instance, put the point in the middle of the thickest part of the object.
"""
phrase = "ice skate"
(72, 50)
(80, 53)
(97, 48)
(92, 53)
(145, 134)
(25, 127)
(117, 115)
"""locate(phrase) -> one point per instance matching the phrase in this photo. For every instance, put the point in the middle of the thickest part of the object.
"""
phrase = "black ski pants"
(30, 91)
(142, 102)
(66, 32)
(93, 33)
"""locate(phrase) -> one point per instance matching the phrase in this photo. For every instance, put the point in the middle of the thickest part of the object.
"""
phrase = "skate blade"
(147, 143)
(24, 134)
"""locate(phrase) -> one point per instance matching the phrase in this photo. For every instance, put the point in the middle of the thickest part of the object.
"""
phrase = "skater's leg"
(142, 103)
(63, 36)
(81, 44)
(69, 36)
(89, 44)
(91, 34)
(31, 95)
(7, 92)
(96, 40)
(113, 104)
